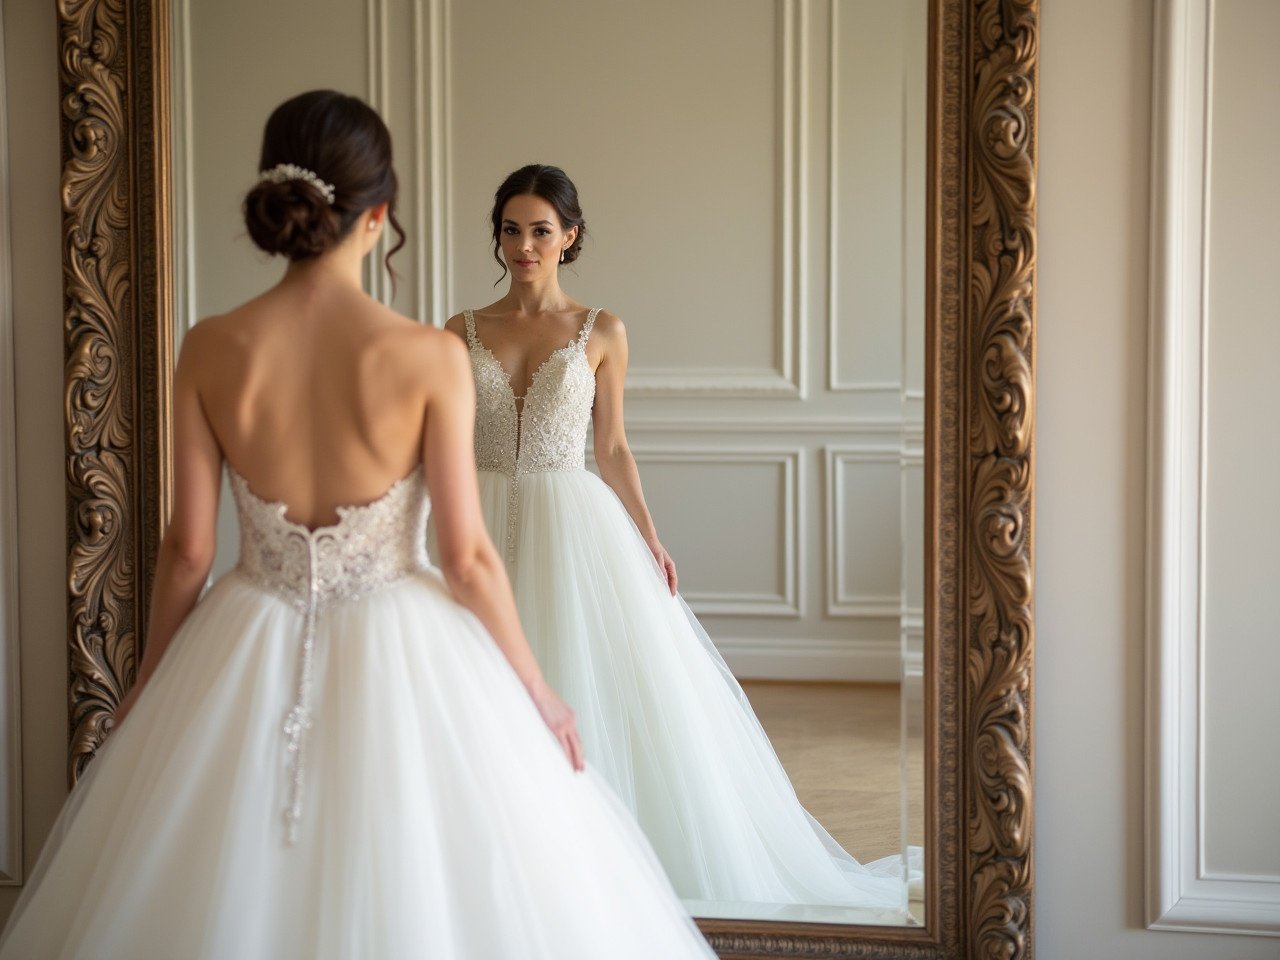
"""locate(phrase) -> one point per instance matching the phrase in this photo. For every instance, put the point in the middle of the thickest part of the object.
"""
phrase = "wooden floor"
(841, 744)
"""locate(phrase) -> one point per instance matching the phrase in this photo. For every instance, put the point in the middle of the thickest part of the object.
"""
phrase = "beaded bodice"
(370, 546)
(548, 429)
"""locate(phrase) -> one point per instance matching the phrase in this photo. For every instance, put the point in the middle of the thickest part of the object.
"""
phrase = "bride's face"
(532, 237)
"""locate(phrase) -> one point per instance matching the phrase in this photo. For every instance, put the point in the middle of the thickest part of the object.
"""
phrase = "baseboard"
(833, 660)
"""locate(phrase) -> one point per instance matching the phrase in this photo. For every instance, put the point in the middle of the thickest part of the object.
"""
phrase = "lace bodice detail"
(548, 431)
(369, 547)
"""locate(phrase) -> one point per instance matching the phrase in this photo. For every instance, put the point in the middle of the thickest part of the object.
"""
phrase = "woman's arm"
(468, 559)
(187, 550)
(613, 456)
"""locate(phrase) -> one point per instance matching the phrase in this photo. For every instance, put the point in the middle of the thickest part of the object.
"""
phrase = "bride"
(662, 717)
(337, 752)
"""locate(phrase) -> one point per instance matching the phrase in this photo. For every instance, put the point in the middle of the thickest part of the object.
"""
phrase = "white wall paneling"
(378, 93)
(875, 432)
(407, 83)
(875, 220)
(787, 378)
(814, 659)
(182, 152)
(696, 215)
(863, 546)
(10, 676)
(430, 71)
(1241, 518)
(912, 632)
(1182, 892)
(702, 499)
(915, 72)
(911, 616)
(911, 461)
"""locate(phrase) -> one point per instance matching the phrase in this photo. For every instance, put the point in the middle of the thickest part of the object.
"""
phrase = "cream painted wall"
(31, 99)
(1094, 174)
(1094, 116)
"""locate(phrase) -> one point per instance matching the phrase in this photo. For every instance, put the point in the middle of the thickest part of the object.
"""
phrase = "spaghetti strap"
(586, 327)
(470, 320)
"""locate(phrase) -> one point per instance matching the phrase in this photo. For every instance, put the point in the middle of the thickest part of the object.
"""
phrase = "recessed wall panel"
(875, 145)
(865, 533)
(728, 520)
(913, 534)
(1242, 453)
(667, 116)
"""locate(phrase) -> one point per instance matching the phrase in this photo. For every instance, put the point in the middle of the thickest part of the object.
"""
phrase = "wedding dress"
(660, 714)
(334, 760)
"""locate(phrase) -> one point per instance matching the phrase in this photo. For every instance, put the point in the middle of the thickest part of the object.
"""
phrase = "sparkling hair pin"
(291, 171)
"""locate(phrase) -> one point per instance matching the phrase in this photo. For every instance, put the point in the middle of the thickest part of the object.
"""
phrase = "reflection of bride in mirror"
(660, 714)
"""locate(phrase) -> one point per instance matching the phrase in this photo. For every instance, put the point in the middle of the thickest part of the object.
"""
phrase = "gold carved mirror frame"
(980, 329)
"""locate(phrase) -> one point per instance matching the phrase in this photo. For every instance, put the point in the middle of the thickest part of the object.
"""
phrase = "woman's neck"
(536, 297)
(341, 266)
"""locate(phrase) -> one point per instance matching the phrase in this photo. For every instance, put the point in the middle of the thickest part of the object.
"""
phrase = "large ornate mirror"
(817, 218)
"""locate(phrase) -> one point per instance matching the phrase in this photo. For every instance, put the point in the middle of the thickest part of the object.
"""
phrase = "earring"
(373, 224)
(562, 256)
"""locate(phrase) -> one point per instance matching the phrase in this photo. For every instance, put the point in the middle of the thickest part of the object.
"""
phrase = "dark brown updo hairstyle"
(554, 186)
(343, 142)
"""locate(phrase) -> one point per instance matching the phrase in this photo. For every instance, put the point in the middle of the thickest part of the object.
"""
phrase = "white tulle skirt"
(440, 818)
(661, 716)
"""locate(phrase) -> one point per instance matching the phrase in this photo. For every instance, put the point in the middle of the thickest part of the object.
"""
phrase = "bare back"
(316, 394)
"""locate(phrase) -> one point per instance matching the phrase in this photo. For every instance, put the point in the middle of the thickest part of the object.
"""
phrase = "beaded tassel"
(298, 720)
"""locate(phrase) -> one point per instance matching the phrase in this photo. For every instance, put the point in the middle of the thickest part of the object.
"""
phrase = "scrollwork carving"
(113, 317)
(1001, 327)
(98, 402)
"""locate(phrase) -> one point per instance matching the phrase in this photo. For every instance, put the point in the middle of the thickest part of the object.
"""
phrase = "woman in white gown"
(662, 717)
(337, 752)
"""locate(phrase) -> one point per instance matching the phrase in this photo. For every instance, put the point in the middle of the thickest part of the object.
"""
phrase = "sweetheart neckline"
(572, 344)
(344, 511)
(520, 404)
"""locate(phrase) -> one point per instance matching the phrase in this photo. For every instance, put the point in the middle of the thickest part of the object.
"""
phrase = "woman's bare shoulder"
(608, 325)
(428, 350)
(232, 327)
(608, 336)
(210, 340)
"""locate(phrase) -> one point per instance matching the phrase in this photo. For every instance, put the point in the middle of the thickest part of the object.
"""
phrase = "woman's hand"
(665, 564)
(559, 718)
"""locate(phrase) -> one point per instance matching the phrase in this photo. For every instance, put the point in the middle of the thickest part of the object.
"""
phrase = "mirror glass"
(752, 173)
